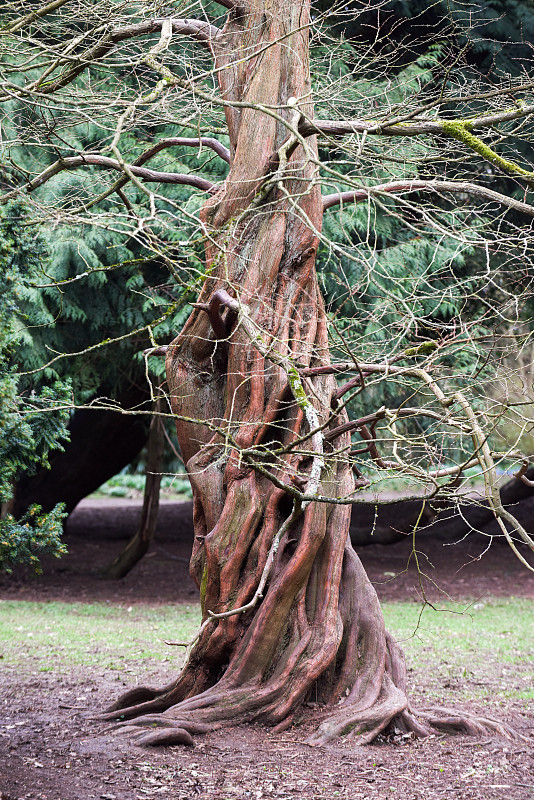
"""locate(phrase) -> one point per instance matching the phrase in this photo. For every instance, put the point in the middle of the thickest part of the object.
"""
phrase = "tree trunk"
(140, 542)
(101, 444)
(318, 631)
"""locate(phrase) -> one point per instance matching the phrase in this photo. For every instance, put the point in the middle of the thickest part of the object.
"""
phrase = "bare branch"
(228, 4)
(199, 29)
(219, 300)
(148, 175)
(522, 474)
(19, 23)
(376, 416)
(175, 141)
(308, 127)
(398, 187)
(183, 141)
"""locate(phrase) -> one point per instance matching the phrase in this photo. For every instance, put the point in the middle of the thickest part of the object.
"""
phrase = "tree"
(66, 314)
(31, 425)
(262, 421)
(140, 542)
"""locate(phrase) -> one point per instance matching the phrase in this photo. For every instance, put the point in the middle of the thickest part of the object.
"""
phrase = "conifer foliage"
(32, 424)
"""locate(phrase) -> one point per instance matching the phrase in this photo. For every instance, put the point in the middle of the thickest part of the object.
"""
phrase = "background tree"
(262, 422)
(31, 426)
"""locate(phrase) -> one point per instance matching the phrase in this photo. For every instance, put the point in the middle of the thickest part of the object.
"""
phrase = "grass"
(56, 636)
(479, 651)
(483, 653)
(501, 626)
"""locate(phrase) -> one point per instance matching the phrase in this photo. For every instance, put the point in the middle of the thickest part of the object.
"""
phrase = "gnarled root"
(450, 721)
(390, 713)
(354, 669)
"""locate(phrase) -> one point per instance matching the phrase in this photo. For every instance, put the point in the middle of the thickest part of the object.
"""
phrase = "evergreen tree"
(32, 424)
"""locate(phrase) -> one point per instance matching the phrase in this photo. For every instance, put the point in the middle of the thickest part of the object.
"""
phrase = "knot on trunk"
(222, 327)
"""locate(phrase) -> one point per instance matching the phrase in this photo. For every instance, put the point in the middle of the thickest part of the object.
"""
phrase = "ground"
(54, 751)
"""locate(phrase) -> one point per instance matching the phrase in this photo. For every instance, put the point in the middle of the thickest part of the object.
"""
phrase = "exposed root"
(129, 712)
(303, 640)
(165, 737)
(362, 724)
(134, 697)
(161, 721)
(450, 721)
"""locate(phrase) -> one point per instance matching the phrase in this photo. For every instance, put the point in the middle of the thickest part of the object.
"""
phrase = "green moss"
(423, 349)
(296, 387)
(460, 130)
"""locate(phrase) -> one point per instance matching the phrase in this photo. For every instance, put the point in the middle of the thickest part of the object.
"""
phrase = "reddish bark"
(318, 630)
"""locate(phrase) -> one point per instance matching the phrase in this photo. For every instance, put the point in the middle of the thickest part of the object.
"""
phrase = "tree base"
(359, 685)
(221, 707)
(361, 727)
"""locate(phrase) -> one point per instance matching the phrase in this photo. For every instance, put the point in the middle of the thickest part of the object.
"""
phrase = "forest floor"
(475, 659)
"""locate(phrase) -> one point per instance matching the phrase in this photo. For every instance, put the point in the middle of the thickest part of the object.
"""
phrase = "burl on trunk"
(317, 631)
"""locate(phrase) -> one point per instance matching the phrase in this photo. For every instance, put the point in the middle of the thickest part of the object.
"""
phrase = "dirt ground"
(50, 750)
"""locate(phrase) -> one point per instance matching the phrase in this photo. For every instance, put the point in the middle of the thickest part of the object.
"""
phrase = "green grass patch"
(55, 636)
(502, 626)
(174, 487)
(483, 651)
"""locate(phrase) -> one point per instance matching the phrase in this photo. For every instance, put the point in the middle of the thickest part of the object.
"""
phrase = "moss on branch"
(297, 388)
(460, 130)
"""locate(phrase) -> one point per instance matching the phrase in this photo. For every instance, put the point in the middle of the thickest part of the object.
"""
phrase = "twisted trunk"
(318, 630)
